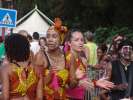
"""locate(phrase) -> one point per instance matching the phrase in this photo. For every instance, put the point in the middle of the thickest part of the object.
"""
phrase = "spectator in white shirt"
(34, 44)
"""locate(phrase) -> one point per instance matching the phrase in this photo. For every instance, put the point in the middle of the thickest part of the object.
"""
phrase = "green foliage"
(105, 34)
(101, 34)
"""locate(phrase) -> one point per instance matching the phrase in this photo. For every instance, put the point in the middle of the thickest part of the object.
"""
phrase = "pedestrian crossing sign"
(8, 18)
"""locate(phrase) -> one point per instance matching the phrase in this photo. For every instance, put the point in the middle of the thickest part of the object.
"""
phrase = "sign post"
(8, 19)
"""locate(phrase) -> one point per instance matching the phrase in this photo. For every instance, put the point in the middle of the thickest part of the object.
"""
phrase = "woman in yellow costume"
(21, 80)
(53, 63)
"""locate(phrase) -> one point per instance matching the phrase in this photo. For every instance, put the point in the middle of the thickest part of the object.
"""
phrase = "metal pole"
(0, 3)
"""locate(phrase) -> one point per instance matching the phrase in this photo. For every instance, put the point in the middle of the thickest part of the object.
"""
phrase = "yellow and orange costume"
(23, 82)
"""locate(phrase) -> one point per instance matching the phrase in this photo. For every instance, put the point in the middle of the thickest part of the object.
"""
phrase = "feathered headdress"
(62, 30)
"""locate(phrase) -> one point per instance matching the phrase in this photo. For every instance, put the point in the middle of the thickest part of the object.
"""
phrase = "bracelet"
(94, 83)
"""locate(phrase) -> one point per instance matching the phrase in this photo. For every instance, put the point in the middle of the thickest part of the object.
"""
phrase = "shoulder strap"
(47, 58)
(16, 64)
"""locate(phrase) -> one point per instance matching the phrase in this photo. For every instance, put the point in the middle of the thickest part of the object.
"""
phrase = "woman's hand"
(103, 83)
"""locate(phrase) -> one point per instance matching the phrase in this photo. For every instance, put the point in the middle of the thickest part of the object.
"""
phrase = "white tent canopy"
(34, 21)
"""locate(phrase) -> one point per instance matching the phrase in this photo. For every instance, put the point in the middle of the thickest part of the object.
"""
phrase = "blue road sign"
(8, 18)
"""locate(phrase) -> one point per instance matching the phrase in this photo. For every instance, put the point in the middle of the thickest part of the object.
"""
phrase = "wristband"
(94, 83)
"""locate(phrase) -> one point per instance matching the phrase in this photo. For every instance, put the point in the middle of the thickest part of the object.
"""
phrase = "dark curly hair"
(17, 48)
(103, 47)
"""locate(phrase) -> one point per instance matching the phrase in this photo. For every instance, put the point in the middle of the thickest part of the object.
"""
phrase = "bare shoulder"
(40, 59)
(5, 66)
(40, 55)
(5, 69)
